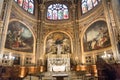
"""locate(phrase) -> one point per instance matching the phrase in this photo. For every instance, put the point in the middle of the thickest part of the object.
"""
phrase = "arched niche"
(96, 36)
(19, 37)
(58, 51)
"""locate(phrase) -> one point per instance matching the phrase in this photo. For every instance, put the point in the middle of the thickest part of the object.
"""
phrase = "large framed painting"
(19, 37)
(58, 43)
(96, 36)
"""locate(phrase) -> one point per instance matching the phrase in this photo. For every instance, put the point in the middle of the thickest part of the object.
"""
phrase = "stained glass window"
(87, 5)
(28, 5)
(57, 12)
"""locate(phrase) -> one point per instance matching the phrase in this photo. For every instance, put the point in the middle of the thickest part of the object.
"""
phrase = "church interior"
(59, 39)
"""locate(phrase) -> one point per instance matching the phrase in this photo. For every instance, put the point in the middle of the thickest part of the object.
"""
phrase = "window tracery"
(57, 12)
(27, 5)
(87, 5)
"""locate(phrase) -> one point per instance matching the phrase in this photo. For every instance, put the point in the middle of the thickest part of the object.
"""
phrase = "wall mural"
(19, 37)
(58, 43)
(96, 36)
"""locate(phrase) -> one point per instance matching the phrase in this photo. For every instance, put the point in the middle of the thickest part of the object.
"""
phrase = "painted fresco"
(58, 43)
(19, 37)
(96, 36)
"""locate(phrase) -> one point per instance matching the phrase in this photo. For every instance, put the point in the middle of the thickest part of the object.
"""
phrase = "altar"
(58, 63)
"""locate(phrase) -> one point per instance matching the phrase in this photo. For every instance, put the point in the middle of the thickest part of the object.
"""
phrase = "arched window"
(57, 12)
(87, 5)
(28, 5)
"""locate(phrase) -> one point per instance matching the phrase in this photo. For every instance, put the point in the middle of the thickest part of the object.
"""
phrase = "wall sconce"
(106, 56)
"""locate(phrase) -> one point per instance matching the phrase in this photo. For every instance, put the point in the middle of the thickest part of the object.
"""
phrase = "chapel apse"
(96, 36)
(19, 37)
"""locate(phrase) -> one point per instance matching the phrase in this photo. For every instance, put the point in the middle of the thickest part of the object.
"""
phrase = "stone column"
(76, 40)
(40, 41)
(79, 8)
(1, 28)
(5, 18)
(111, 26)
(1, 21)
(1, 4)
(116, 11)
